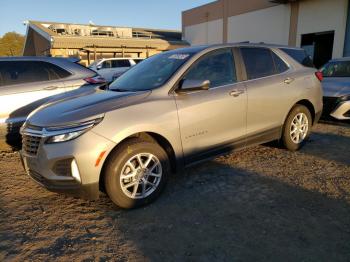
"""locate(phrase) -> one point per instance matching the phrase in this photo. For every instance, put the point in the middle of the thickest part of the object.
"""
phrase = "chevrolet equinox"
(166, 113)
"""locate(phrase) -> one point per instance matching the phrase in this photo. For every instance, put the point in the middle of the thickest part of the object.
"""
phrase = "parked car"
(111, 68)
(173, 110)
(28, 82)
(336, 88)
(118, 74)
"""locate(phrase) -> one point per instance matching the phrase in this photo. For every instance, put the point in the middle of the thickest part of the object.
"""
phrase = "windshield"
(337, 69)
(151, 73)
(95, 63)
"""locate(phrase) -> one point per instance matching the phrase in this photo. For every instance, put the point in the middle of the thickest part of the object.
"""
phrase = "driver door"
(212, 121)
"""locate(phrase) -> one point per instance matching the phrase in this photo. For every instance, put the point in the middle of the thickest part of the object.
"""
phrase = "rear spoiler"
(73, 59)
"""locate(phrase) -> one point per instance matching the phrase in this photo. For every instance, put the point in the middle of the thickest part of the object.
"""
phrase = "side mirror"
(99, 67)
(193, 85)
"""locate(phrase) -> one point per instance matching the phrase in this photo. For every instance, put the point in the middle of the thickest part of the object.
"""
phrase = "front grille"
(347, 114)
(37, 177)
(30, 144)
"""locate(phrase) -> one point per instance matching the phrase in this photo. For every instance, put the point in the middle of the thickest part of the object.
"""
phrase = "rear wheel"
(297, 128)
(136, 173)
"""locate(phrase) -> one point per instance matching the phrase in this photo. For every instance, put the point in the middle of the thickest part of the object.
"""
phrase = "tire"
(123, 169)
(292, 123)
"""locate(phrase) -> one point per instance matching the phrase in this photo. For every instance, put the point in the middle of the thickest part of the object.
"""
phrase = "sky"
(160, 14)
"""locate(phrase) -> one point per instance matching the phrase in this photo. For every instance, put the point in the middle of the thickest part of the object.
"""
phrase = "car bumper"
(342, 111)
(317, 117)
(51, 167)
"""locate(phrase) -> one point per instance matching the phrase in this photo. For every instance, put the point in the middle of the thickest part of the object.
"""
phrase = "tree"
(11, 44)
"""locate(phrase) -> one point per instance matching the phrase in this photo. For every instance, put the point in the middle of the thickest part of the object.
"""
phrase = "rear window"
(336, 69)
(262, 62)
(300, 56)
(19, 72)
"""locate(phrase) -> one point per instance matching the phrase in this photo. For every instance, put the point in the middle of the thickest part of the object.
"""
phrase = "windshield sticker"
(179, 56)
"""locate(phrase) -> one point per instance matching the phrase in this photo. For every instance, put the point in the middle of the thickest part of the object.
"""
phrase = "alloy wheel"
(141, 175)
(299, 128)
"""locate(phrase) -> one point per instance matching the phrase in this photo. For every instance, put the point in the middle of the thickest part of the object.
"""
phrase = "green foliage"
(11, 44)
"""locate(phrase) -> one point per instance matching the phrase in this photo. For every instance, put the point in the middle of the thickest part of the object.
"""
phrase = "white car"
(109, 67)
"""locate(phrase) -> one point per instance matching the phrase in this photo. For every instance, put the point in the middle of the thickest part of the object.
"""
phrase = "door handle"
(288, 80)
(236, 92)
(50, 87)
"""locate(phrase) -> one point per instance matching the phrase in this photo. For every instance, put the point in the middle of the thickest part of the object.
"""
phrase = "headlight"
(63, 134)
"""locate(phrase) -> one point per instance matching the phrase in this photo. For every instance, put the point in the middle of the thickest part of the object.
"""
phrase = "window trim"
(244, 71)
(236, 63)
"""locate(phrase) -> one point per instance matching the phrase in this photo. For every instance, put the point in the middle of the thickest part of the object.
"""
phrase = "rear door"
(270, 92)
(25, 86)
(214, 120)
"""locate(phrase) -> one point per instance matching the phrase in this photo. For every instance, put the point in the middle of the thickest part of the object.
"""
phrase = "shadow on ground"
(263, 204)
(230, 214)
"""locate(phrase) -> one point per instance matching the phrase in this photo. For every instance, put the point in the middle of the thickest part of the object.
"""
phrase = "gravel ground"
(262, 204)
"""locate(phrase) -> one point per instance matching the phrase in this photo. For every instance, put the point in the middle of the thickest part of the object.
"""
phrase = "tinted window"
(217, 67)
(55, 72)
(279, 63)
(107, 64)
(258, 62)
(299, 55)
(337, 69)
(18, 72)
(152, 72)
(120, 63)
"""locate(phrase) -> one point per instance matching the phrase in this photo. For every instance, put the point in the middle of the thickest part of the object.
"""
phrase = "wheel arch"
(146, 136)
(309, 106)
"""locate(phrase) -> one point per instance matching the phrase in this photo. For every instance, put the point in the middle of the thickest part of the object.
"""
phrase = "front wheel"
(136, 173)
(297, 128)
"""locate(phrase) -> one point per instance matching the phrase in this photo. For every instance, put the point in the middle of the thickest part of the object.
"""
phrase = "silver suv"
(166, 113)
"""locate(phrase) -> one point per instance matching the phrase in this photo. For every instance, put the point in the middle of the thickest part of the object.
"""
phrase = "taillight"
(319, 76)
(95, 80)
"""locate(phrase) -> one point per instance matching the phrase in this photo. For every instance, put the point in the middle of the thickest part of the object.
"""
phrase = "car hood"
(81, 106)
(336, 86)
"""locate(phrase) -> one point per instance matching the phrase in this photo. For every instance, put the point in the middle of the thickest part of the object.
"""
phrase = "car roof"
(39, 58)
(198, 48)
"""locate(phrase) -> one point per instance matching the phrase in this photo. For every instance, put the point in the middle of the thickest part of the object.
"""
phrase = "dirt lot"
(261, 204)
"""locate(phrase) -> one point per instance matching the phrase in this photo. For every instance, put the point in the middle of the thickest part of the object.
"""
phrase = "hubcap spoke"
(299, 128)
(141, 175)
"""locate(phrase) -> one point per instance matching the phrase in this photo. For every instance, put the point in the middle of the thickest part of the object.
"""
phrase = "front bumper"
(84, 150)
(342, 111)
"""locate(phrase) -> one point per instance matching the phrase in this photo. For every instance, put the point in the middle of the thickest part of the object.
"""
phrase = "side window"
(107, 64)
(19, 72)
(122, 63)
(56, 72)
(217, 67)
(279, 63)
(258, 62)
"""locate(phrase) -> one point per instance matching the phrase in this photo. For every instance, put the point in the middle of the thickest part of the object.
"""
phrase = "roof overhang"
(39, 31)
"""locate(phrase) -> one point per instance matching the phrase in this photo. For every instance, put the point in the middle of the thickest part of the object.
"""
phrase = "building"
(322, 27)
(91, 42)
